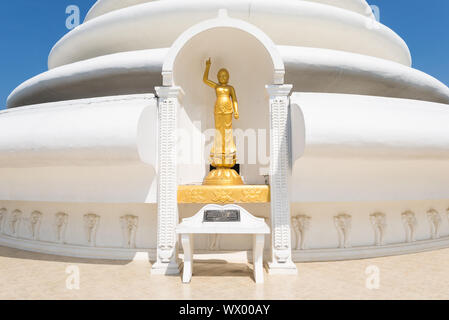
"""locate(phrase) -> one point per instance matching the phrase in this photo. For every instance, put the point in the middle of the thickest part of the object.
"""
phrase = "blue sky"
(30, 28)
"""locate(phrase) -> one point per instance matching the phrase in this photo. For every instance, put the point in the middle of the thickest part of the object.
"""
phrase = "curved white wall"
(93, 150)
(295, 23)
(362, 148)
(109, 238)
(118, 74)
(307, 69)
(102, 7)
(322, 243)
(322, 240)
(341, 125)
(104, 131)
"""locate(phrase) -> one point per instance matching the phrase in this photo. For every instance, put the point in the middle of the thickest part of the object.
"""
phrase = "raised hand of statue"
(208, 62)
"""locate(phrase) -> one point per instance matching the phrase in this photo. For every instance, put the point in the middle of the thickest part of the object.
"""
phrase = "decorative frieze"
(301, 226)
(379, 222)
(60, 226)
(223, 194)
(129, 224)
(435, 221)
(15, 224)
(410, 223)
(91, 223)
(343, 223)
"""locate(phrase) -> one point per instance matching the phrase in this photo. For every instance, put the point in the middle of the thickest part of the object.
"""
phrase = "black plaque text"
(221, 216)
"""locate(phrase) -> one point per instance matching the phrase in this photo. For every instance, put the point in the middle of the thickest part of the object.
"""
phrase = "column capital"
(172, 92)
(282, 90)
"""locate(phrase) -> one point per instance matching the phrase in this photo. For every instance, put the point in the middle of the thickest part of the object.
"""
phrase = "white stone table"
(248, 224)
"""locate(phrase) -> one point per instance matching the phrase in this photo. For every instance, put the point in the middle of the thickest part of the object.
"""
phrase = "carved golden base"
(224, 194)
(223, 177)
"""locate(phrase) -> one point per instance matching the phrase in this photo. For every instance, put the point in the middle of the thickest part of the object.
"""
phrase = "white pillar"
(280, 176)
(167, 241)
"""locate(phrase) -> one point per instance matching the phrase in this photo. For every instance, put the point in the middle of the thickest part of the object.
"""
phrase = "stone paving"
(26, 275)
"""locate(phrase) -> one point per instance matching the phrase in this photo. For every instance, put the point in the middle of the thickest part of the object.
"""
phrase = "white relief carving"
(301, 225)
(435, 221)
(129, 225)
(214, 242)
(410, 223)
(14, 222)
(379, 223)
(61, 221)
(34, 224)
(3, 213)
(91, 223)
(343, 223)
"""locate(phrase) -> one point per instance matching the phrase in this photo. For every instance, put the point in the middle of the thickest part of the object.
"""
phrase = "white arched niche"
(253, 62)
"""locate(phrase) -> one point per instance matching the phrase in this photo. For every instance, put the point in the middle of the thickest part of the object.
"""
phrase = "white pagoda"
(352, 142)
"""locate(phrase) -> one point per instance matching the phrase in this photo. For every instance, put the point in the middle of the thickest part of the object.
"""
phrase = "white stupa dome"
(358, 136)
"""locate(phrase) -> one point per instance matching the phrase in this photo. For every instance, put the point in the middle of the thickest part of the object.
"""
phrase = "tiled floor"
(25, 275)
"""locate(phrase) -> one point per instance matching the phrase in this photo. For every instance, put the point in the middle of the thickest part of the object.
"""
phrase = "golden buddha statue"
(223, 155)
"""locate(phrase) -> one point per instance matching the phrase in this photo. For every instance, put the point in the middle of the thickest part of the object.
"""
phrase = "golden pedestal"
(223, 177)
(223, 194)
